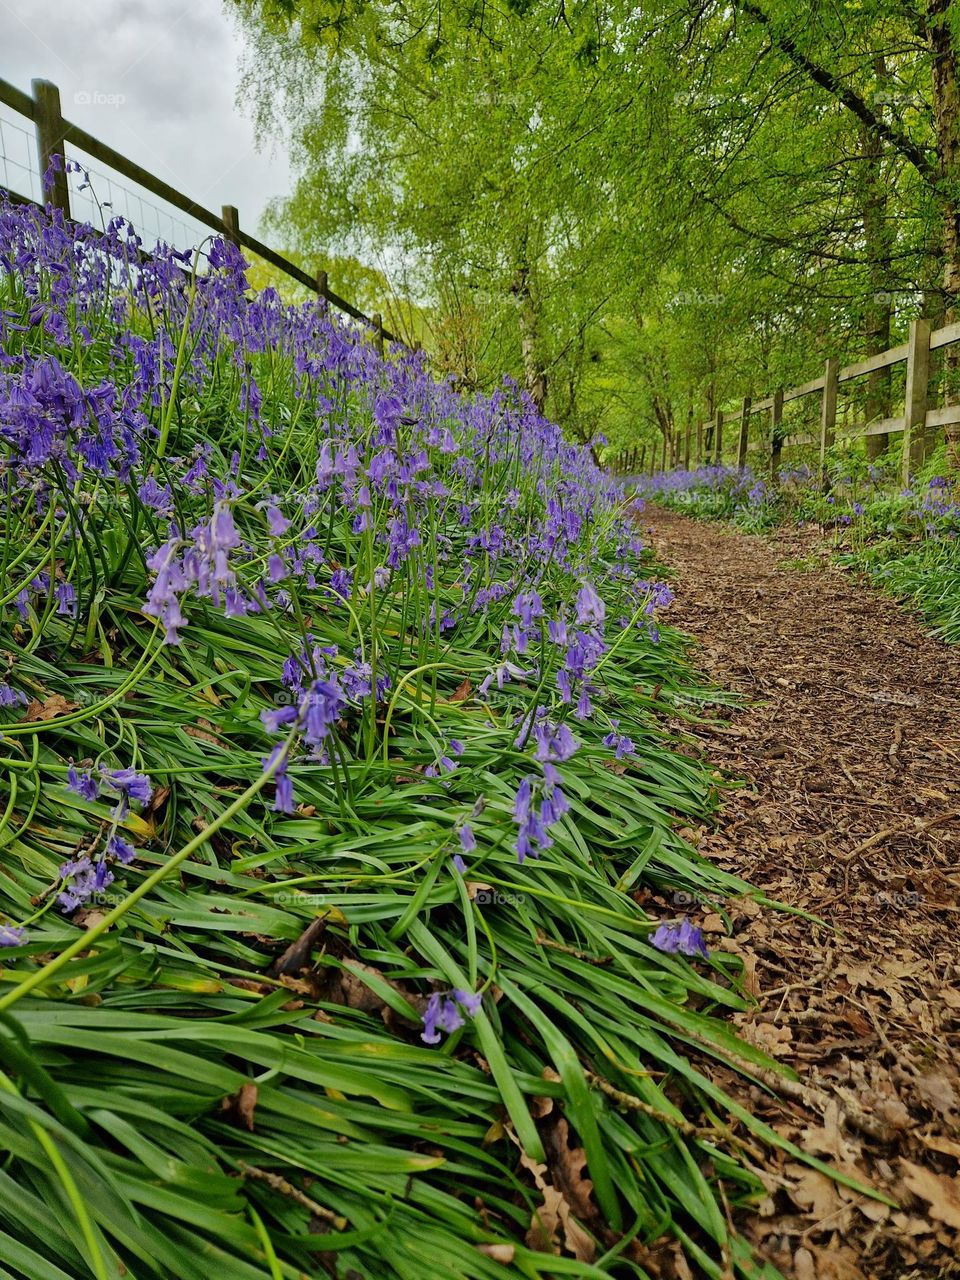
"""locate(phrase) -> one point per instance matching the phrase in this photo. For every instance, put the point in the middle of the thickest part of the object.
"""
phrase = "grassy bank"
(332, 780)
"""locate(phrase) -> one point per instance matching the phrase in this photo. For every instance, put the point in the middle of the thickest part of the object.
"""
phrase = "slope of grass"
(330, 775)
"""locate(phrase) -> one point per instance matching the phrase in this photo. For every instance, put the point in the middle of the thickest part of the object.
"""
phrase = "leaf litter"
(843, 752)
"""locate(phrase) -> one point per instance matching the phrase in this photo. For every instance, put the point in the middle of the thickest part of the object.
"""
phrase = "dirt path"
(850, 744)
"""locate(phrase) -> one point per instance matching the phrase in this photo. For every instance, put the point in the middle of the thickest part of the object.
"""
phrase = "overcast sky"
(157, 79)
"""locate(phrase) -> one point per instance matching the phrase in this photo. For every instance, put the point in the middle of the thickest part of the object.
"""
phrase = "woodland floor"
(848, 737)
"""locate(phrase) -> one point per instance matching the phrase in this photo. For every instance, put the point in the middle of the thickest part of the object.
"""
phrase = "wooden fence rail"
(915, 422)
(54, 132)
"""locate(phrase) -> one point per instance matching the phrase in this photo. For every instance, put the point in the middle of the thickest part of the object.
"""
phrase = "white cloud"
(157, 80)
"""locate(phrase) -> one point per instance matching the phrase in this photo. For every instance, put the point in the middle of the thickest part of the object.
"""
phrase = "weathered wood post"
(378, 332)
(231, 223)
(828, 414)
(705, 431)
(776, 436)
(718, 437)
(915, 396)
(322, 286)
(744, 433)
(49, 126)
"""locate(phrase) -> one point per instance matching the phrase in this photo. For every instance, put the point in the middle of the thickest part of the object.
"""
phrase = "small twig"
(286, 1188)
(895, 745)
(632, 1103)
(898, 829)
(572, 951)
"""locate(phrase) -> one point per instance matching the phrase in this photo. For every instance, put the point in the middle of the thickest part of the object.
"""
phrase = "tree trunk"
(534, 374)
(879, 309)
(946, 121)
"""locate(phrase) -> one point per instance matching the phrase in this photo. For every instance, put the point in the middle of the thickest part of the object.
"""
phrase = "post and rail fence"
(918, 421)
(54, 133)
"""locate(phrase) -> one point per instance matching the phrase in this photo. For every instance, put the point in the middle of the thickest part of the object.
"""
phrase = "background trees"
(637, 211)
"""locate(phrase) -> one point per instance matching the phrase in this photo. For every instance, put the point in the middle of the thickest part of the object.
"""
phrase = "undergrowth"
(333, 774)
(904, 537)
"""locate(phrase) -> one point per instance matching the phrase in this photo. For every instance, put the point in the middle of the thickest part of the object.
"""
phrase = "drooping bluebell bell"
(10, 697)
(445, 1012)
(683, 939)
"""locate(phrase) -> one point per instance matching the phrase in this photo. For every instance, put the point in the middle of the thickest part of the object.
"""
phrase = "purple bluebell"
(444, 1012)
(683, 939)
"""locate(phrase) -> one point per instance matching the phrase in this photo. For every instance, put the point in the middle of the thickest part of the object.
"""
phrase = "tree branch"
(918, 157)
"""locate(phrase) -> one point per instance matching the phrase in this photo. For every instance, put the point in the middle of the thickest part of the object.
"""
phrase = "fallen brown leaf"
(51, 707)
(941, 1193)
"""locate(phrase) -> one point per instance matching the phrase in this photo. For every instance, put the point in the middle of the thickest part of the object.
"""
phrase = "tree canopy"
(640, 211)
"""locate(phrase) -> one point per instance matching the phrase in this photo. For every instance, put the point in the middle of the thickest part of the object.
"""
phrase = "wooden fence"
(917, 421)
(53, 133)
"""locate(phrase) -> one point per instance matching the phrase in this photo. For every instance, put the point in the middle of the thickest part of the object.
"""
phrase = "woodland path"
(849, 741)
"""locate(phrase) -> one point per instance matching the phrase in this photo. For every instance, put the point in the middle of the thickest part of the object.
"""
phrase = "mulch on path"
(849, 741)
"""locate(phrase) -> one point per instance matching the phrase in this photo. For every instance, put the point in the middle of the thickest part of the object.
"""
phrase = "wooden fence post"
(744, 433)
(718, 438)
(231, 223)
(378, 332)
(828, 413)
(49, 124)
(776, 438)
(915, 396)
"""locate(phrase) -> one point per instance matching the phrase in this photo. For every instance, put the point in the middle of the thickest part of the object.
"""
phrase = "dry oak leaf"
(50, 708)
(941, 1193)
(837, 1264)
(946, 1145)
(937, 1091)
(816, 1194)
(829, 1140)
(242, 1105)
(553, 1215)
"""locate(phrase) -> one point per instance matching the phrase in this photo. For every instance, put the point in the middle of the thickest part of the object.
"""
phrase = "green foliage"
(907, 540)
(645, 210)
(217, 1067)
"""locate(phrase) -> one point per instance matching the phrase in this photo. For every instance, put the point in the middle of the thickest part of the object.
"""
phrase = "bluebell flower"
(590, 608)
(10, 697)
(443, 1013)
(84, 784)
(684, 939)
(131, 786)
